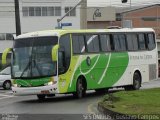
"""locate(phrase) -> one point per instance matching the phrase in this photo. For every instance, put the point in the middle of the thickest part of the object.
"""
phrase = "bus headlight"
(51, 83)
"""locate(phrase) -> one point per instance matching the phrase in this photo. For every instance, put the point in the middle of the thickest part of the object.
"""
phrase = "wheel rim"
(7, 85)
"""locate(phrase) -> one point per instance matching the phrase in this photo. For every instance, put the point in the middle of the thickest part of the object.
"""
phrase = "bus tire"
(7, 85)
(41, 97)
(80, 89)
(136, 81)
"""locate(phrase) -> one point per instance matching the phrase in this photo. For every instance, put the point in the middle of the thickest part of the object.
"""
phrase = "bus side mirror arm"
(4, 55)
(55, 53)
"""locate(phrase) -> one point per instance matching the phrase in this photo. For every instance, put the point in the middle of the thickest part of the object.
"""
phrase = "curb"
(115, 115)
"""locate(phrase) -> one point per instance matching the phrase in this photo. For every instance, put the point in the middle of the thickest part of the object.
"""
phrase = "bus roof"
(59, 32)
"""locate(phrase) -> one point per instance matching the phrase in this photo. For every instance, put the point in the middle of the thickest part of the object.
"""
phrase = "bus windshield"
(32, 57)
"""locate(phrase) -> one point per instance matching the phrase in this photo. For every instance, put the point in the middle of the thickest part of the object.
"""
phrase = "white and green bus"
(74, 61)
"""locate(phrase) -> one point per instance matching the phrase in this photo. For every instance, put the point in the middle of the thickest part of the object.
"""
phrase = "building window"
(37, 11)
(2, 36)
(31, 11)
(50, 11)
(72, 13)
(44, 11)
(41, 11)
(9, 36)
(25, 11)
(6, 36)
(66, 10)
(118, 17)
(57, 11)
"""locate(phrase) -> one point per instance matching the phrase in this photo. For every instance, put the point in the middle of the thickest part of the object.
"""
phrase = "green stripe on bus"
(116, 67)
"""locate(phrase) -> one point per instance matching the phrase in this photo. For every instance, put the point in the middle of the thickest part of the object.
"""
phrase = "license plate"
(45, 92)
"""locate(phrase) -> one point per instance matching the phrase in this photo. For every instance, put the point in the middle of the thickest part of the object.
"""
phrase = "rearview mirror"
(55, 53)
(4, 55)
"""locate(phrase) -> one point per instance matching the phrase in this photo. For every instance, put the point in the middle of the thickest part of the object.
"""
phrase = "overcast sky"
(118, 2)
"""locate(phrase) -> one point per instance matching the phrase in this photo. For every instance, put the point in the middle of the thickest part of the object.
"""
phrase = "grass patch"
(134, 102)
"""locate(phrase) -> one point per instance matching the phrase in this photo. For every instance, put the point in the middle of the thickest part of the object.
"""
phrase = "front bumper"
(50, 89)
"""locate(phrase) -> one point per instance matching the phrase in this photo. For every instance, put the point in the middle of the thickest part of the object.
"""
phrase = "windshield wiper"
(28, 65)
(36, 66)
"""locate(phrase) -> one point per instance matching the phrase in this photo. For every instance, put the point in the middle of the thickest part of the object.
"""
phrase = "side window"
(141, 39)
(105, 43)
(116, 42)
(151, 41)
(130, 42)
(65, 47)
(78, 44)
(92, 43)
(119, 42)
(122, 42)
(135, 41)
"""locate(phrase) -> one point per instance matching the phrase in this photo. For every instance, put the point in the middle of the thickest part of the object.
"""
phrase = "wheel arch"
(7, 81)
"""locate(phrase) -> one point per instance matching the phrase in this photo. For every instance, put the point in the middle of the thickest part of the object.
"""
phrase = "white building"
(38, 15)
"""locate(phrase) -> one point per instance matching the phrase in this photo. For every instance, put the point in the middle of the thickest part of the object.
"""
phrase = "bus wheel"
(7, 85)
(136, 81)
(80, 89)
(41, 97)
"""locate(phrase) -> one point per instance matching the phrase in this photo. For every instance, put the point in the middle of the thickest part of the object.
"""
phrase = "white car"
(5, 78)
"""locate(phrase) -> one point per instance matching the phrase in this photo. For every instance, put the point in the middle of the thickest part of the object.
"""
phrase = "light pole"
(17, 18)
(59, 20)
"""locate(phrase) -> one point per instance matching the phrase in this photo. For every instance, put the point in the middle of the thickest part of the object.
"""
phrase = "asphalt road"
(60, 107)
